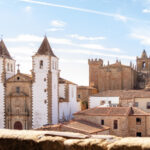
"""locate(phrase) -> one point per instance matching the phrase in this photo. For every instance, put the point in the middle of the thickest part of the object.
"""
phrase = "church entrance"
(18, 125)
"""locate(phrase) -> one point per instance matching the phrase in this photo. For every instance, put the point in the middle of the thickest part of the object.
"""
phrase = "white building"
(53, 98)
(97, 100)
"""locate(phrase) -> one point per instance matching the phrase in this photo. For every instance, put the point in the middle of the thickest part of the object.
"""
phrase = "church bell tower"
(45, 86)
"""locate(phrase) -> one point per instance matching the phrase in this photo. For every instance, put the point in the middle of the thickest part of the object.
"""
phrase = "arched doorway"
(18, 125)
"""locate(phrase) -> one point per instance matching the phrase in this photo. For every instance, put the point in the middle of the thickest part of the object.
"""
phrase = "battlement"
(95, 61)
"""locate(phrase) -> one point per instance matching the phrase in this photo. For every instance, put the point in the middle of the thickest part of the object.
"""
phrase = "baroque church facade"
(118, 76)
(31, 101)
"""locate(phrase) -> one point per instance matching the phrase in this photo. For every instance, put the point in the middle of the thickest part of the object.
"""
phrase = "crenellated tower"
(94, 65)
(7, 69)
(45, 86)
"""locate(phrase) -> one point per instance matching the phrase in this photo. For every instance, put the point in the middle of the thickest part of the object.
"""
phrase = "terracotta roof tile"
(112, 111)
(124, 94)
(86, 127)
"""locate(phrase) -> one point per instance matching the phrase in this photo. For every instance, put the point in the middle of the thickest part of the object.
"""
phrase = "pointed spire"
(144, 55)
(3, 50)
(45, 48)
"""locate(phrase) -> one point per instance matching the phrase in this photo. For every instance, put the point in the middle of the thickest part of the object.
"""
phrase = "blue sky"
(77, 30)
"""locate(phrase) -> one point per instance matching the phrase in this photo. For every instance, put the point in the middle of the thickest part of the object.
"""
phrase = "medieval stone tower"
(45, 86)
(7, 69)
(143, 69)
(93, 71)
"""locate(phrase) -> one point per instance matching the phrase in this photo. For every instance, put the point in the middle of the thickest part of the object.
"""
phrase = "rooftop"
(124, 94)
(113, 111)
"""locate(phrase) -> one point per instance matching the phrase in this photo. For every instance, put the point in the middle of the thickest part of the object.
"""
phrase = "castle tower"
(143, 69)
(143, 63)
(93, 71)
(45, 86)
(7, 69)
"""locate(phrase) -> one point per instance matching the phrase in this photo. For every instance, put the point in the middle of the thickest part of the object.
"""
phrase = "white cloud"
(114, 15)
(99, 47)
(57, 23)
(94, 53)
(55, 29)
(144, 39)
(79, 37)
(146, 11)
(34, 38)
(28, 9)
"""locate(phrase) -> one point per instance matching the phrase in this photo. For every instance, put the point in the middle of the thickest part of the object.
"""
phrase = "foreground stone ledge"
(50, 140)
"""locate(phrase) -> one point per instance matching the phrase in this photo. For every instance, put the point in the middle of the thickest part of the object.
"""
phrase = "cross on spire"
(18, 70)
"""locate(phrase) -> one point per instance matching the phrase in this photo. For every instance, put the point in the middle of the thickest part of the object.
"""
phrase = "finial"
(18, 70)
(1, 36)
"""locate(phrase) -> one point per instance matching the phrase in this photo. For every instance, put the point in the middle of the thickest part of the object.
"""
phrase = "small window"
(41, 64)
(45, 90)
(102, 122)
(18, 89)
(148, 105)
(102, 102)
(45, 101)
(143, 65)
(72, 92)
(115, 124)
(44, 79)
(139, 134)
(8, 67)
(136, 104)
(18, 78)
(138, 121)
(11, 68)
(78, 95)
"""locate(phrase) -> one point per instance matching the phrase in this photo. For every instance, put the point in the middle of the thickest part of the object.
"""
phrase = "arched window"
(143, 65)
(41, 64)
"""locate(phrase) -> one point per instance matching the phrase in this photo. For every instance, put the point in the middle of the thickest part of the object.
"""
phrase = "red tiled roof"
(61, 80)
(112, 111)
(86, 127)
(124, 94)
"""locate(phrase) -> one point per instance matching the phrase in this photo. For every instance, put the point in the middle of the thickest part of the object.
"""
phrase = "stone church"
(118, 76)
(31, 101)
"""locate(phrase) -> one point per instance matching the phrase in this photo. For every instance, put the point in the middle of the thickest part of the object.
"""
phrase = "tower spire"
(45, 48)
(144, 55)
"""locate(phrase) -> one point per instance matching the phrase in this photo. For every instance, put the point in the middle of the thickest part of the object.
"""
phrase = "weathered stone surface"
(45, 140)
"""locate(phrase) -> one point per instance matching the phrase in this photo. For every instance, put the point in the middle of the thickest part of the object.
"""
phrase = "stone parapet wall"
(50, 140)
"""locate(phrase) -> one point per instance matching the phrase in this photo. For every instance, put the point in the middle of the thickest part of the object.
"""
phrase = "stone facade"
(118, 76)
(18, 102)
(130, 121)
(31, 101)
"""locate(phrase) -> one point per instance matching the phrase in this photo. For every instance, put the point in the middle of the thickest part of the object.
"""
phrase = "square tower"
(45, 86)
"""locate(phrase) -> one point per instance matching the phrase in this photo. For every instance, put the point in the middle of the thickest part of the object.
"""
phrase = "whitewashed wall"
(67, 109)
(62, 90)
(96, 101)
(2, 90)
(54, 69)
(39, 107)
